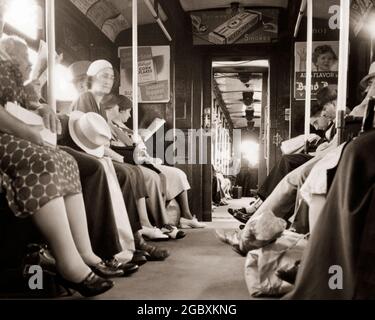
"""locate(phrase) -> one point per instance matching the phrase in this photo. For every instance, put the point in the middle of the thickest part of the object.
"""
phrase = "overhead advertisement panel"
(222, 27)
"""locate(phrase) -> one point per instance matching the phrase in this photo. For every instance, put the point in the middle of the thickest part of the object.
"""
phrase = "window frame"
(32, 43)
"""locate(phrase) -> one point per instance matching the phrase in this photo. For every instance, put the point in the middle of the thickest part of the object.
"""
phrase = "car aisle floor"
(199, 267)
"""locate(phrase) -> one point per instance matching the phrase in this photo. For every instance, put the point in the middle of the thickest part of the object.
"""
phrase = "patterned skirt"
(33, 175)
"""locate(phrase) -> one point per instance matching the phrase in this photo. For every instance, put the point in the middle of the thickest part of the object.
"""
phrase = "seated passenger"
(78, 74)
(106, 240)
(368, 87)
(283, 198)
(221, 187)
(136, 182)
(321, 119)
(43, 183)
(118, 113)
(343, 236)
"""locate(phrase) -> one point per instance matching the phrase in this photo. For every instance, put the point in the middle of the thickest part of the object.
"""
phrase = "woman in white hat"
(132, 180)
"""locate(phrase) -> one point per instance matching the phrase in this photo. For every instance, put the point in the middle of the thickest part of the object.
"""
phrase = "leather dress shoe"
(127, 268)
(139, 258)
(151, 253)
(39, 255)
(242, 217)
(288, 275)
(232, 211)
(155, 253)
(91, 286)
(105, 271)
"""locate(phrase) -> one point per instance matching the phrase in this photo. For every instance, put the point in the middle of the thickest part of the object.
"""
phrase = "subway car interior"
(187, 150)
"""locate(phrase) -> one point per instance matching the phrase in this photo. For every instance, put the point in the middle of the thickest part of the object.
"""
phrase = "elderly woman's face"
(23, 61)
(103, 81)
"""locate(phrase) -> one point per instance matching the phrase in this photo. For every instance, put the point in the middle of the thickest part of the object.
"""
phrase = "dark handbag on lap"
(128, 154)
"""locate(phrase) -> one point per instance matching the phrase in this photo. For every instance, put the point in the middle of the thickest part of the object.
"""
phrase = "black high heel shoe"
(91, 286)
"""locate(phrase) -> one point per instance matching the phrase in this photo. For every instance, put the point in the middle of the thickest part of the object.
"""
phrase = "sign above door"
(223, 27)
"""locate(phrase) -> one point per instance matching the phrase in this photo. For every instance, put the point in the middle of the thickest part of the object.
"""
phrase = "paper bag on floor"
(261, 230)
(261, 265)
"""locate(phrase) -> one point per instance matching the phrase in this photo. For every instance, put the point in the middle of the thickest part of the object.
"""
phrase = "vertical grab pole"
(343, 68)
(308, 71)
(51, 58)
(2, 14)
(135, 66)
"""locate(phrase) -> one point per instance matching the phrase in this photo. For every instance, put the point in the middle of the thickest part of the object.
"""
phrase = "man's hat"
(90, 132)
(79, 69)
(371, 74)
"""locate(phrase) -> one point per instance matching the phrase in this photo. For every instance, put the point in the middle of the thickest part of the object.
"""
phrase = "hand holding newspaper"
(297, 143)
(39, 72)
(146, 134)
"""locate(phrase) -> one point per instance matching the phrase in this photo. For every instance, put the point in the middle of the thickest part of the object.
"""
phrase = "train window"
(65, 90)
(371, 26)
(24, 16)
(250, 152)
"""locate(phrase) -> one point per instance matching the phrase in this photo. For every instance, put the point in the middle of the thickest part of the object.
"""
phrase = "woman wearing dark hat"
(119, 112)
(78, 74)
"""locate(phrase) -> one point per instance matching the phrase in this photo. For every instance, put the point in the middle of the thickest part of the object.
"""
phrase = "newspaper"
(32, 119)
(146, 134)
(40, 72)
(297, 144)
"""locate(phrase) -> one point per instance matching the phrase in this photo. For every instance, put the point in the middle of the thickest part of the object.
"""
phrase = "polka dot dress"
(31, 175)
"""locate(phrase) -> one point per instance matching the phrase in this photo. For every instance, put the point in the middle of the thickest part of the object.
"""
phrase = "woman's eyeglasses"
(106, 76)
